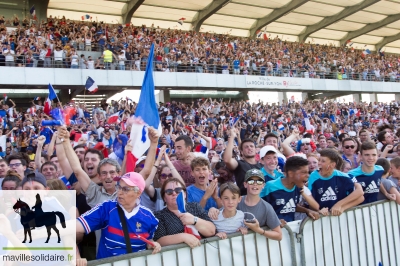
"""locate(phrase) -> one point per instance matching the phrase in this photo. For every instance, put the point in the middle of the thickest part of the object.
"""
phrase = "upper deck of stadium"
(369, 24)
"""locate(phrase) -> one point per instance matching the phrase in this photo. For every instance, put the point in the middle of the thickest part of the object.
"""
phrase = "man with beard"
(240, 167)
(3, 170)
(183, 147)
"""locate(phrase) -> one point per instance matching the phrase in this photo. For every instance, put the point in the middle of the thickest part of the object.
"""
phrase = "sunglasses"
(257, 182)
(304, 144)
(177, 190)
(349, 147)
(163, 176)
(140, 165)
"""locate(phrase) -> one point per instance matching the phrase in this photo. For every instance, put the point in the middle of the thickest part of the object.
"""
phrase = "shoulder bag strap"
(125, 228)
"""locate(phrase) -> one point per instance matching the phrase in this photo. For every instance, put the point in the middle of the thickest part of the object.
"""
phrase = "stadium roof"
(368, 24)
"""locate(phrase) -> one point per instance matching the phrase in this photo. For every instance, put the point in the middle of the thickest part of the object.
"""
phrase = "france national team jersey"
(370, 182)
(329, 190)
(269, 177)
(282, 199)
(140, 221)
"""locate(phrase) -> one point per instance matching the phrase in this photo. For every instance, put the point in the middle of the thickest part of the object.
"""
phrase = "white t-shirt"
(10, 55)
(90, 64)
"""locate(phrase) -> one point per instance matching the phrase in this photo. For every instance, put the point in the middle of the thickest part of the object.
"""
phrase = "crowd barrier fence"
(364, 235)
(51, 62)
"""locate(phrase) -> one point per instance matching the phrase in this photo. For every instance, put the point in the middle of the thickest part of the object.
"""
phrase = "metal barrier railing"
(237, 249)
(364, 235)
(140, 65)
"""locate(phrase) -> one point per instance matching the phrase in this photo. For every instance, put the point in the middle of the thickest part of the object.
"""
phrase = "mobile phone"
(252, 221)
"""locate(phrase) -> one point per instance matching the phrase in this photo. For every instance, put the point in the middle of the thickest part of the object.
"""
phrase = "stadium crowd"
(279, 163)
(57, 42)
(235, 165)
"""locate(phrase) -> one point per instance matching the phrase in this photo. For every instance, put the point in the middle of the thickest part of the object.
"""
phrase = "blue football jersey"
(282, 199)
(140, 221)
(370, 182)
(269, 177)
(329, 190)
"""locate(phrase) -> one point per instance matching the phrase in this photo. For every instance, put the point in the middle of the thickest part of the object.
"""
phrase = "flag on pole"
(91, 85)
(180, 21)
(365, 52)
(281, 127)
(349, 43)
(309, 127)
(189, 229)
(36, 99)
(114, 119)
(146, 115)
(33, 12)
(50, 98)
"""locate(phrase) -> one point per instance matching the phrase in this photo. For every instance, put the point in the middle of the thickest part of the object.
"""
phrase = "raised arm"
(149, 181)
(38, 156)
(63, 161)
(50, 149)
(287, 150)
(63, 139)
(230, 162)
(151, 154)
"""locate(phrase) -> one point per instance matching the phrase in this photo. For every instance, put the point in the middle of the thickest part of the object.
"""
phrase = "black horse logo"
(30, 219)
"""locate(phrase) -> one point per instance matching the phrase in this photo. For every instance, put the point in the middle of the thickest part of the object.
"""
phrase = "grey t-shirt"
(263, 212)
(395, 182)
(229, 225)
(387, 184)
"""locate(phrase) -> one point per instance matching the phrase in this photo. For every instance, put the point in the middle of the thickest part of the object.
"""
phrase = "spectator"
(171, 222)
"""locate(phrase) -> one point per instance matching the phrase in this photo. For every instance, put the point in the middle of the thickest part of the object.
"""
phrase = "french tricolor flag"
(36, 99)
(91, 86)
(50, 98)
(146, 116)
(33, 12)
(114, 119)
(281, 127)
(189, 229)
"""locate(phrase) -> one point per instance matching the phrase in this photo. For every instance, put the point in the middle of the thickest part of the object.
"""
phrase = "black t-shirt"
(240, 173)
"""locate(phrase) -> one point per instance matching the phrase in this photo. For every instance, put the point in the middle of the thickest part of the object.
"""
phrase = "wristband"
(263, 232)
(172, 169)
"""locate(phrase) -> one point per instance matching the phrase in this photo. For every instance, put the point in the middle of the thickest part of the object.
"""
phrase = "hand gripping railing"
(363, 235)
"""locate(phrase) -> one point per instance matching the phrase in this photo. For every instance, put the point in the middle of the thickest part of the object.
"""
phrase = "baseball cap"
(333, 139)
(133, 179)
(34, 176)
(267, 149)
(254, 173)
(141, 159)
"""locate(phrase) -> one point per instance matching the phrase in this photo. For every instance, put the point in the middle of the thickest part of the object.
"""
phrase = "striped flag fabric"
(52, 95)
(33, 12)
(36, 99)
(91, 85)
(189, 229)
(146, 116)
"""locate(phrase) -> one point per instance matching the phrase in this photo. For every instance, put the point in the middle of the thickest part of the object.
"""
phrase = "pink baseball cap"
(133, 179)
